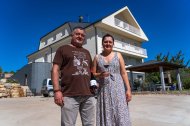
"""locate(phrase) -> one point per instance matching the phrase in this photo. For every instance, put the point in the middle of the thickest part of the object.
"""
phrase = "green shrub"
(186, 83)
(11, 81)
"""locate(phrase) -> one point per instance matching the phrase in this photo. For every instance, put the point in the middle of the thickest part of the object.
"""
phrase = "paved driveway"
(160, 110)
(145, 110)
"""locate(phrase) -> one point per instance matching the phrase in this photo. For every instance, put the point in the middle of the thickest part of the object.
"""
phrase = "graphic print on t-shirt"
(80, 62)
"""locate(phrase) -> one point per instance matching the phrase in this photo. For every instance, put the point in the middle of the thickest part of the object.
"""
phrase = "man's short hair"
(78, 27)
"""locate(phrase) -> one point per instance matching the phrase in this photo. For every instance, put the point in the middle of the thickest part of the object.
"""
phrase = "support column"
(169, 77)
(179, 80)
(132, 82)
(162, 78)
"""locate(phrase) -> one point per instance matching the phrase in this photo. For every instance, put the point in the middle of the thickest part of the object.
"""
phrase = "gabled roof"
(127, 17)
(153, 66)
(71, 25)
(76, 24)
(125, 10)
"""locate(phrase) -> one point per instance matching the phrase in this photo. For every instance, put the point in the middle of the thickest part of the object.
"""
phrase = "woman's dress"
(112, 108)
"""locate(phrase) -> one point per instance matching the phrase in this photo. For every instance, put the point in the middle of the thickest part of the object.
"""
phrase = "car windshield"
(50, 82)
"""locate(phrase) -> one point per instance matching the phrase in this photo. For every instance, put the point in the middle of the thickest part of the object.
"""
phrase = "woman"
(109, 69)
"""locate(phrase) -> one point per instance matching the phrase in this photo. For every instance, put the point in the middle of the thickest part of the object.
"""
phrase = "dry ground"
(145, 110)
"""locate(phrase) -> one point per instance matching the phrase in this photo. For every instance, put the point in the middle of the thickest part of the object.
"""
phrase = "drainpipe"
(51, 53)
(51, 60)
(96, 39)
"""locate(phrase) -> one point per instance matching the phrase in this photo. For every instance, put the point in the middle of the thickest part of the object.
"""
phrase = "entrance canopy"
(153, 66)
(156, 66)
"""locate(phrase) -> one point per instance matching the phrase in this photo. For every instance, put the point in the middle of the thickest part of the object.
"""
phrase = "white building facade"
(127, 33)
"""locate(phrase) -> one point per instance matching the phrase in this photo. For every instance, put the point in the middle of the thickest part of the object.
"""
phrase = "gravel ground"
(145, 110)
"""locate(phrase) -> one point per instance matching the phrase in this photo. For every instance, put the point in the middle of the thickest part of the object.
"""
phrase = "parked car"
(47, 88)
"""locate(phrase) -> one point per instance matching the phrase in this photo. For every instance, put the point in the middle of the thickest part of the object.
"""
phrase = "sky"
(23, 22)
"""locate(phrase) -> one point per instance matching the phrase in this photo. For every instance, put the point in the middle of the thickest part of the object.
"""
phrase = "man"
(74, 62)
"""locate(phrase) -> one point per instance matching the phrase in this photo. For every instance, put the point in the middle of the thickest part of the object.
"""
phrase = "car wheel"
(51, 94)
(45, 95)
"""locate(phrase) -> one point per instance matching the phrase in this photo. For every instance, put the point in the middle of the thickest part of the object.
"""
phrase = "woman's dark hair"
(107, 35)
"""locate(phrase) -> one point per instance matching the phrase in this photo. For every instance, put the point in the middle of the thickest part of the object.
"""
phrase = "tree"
(12, 72)
(176, 59)
(153, 77)
(159, 57)
(1, 70)
(11, 81)
(179, 59)
(166, 57)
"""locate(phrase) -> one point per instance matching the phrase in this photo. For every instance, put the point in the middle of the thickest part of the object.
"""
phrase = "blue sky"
(23, 22)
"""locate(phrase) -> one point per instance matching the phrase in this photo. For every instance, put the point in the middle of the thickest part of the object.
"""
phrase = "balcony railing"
(127, 26)
(128, 47)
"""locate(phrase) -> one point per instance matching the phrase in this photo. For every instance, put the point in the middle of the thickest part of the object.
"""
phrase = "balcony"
(130, 48)
(127, 26)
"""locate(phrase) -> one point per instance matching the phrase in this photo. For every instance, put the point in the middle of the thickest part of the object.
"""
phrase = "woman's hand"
(104, 74)
(128, 96)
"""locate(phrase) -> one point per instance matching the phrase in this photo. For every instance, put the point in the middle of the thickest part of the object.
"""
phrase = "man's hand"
(58, 98)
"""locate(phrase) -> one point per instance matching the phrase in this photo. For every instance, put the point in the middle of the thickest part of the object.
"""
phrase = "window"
(46, 58)
(50, 39)
(59, 35)
(50, 82)
(63, 33)
(139, 76)
(46, 42)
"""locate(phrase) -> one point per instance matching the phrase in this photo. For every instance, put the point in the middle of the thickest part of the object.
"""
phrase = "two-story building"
(128, 35)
